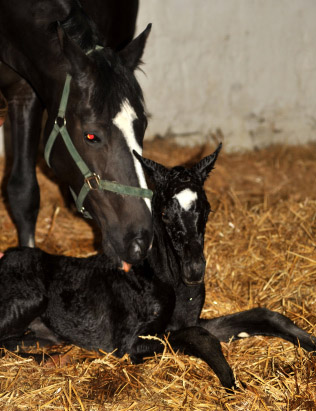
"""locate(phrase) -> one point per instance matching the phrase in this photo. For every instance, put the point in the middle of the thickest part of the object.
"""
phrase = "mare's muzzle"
(137, 250)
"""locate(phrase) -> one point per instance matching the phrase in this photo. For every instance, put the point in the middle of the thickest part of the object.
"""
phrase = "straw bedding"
(260, 251)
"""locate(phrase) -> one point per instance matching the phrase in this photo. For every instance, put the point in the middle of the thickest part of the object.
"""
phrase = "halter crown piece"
(91, 180)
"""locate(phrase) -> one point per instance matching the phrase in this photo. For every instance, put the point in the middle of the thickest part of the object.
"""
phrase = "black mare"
(88, 302)
(42, 42)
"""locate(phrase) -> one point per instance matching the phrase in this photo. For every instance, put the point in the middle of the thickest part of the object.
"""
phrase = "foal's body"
(88, 302)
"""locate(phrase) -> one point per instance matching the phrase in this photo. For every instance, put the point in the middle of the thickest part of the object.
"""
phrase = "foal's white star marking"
(124, 121)
(186, 198)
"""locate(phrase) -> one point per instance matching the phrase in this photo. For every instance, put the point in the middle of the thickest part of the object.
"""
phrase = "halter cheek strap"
(91, 180)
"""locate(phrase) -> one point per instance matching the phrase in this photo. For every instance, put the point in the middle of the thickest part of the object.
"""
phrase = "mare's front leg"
(25, 112)
(258, 321)
(194, 341)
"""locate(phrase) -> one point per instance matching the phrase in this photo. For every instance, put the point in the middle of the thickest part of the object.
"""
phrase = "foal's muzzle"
(193, 271)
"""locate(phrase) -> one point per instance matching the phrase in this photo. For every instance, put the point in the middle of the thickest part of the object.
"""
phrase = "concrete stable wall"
(246, 67)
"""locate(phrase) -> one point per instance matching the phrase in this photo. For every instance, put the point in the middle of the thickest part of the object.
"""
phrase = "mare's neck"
(32, 53)
(31, 47)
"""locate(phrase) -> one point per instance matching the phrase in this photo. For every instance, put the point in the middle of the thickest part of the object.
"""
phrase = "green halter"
(91, 180)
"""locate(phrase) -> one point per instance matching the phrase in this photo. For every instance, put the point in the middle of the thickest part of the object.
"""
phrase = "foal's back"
(94, 305)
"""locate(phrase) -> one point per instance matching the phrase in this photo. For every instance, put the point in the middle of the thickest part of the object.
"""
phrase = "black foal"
(88, 302)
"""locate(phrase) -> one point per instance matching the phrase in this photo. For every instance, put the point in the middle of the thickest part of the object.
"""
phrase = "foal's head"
(180, 206)
(106, 120)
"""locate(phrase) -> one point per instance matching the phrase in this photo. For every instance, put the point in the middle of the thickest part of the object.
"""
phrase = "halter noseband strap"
(91, 180)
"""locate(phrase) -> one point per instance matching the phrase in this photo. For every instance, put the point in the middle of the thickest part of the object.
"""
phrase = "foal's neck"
(163, 258)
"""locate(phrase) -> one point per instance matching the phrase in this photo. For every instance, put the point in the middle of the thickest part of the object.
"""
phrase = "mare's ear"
(155, 171)
(133, 52)
(206, 165)
(74, 54)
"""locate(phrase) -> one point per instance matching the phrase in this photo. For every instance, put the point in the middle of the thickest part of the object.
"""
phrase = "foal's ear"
(133, 52)
(155, 171)
(206, 165)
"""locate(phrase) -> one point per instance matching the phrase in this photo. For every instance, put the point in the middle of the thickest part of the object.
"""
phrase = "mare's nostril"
(137, 249)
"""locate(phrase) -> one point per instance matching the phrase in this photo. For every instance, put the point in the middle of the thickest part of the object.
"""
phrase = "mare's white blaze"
(186, 198)
(124, 121)
(243, 334)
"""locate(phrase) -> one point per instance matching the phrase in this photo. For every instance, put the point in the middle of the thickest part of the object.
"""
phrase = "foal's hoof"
(236, 387)
(58, 361)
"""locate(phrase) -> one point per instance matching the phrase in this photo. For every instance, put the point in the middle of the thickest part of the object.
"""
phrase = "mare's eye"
(92, 138)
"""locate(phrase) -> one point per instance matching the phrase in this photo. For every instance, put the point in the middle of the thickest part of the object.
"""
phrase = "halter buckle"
(93, 181)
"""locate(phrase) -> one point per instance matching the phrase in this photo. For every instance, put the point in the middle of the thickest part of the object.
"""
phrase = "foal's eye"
(165, 217)
(92, 138)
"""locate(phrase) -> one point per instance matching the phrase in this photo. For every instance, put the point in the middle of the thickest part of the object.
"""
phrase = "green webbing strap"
(74, 153)
(108, 186)
(125, 190)
(61, 114)
(80, 199)
(96, 48)
(64, 97)
(50, 143)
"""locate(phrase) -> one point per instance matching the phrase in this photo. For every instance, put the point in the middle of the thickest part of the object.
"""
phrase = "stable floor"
(260, 248)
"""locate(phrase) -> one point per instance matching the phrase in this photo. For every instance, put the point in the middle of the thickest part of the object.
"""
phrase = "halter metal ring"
(63, 120)
(91, 180)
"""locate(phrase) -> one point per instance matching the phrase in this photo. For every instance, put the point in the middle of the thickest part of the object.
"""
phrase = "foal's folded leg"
(194, 341)
(258, 321)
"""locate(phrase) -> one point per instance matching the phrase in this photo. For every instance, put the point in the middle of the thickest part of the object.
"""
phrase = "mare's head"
(180, 206)
(106, 120)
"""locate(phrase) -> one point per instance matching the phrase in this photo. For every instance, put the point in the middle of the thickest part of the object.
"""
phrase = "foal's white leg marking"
(31, 242)
(186, 198)
(243, 334)
(124, 121)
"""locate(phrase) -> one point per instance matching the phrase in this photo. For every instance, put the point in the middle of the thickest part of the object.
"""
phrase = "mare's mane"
(113, 81)
(81, 29)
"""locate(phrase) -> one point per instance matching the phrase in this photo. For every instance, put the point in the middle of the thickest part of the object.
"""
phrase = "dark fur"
(88, 302)
(42, 43)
